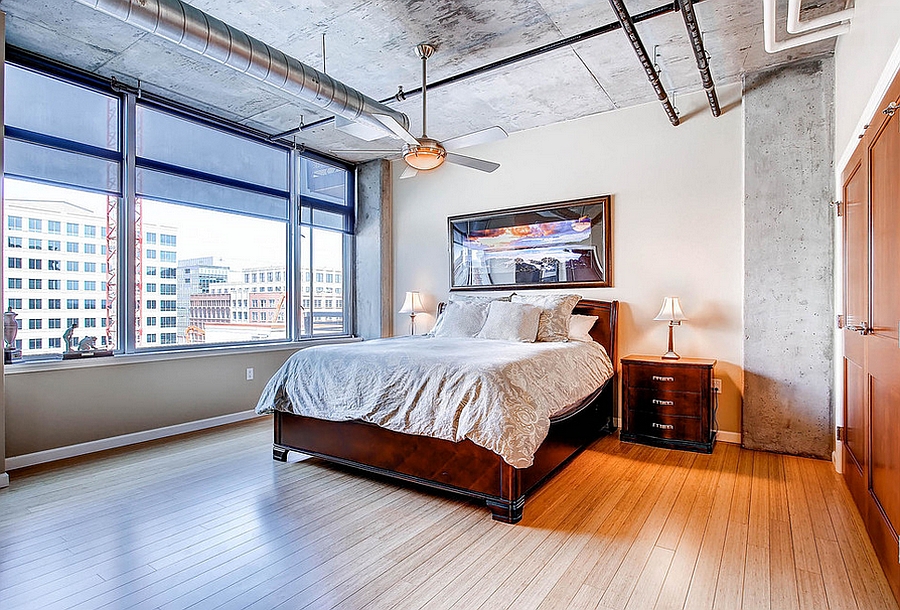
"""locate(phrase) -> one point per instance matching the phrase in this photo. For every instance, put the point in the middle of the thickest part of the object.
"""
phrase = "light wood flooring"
(209, 520)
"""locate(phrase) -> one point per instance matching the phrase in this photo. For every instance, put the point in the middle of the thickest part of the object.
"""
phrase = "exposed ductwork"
(794, 24)
(627, 24)
(693, 29)
(193, 29)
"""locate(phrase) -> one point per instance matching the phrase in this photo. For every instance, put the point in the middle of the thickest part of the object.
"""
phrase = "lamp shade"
(428, 154)
(670, 311)
(412, 303)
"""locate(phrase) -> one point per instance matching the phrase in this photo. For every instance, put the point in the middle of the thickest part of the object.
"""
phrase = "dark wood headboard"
(604, 329)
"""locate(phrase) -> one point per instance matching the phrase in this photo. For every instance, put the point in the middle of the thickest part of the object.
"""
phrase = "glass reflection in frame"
(545, 246)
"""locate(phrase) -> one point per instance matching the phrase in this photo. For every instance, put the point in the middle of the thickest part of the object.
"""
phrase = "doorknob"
(862, 328)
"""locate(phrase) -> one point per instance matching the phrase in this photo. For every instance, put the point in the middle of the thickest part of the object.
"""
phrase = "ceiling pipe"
(193, 29)
(508, 61)
(628, 27)
(795, 26)
(774, 46)
(693, 28)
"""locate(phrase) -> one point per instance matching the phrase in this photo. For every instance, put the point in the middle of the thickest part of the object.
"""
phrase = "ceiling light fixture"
(428, 154)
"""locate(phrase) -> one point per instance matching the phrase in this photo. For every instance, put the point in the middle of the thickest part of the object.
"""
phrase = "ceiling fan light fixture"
(429, 154)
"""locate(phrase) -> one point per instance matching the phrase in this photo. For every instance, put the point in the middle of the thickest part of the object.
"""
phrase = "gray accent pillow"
(511, 322)
(461, 319)
(555, 312)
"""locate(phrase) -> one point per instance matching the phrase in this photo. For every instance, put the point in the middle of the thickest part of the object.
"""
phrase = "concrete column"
(788, 259)
(4, 478)
(374, 250)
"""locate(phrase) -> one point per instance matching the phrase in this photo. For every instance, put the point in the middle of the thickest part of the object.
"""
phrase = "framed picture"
(554, 245)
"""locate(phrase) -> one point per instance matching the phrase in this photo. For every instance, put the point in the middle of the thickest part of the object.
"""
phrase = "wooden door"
(871, 359)
(856, 316)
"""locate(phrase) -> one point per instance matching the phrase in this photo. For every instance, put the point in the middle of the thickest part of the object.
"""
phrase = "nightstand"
(668, 403)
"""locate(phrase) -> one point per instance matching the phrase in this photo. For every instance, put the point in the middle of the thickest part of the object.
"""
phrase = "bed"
(459, 466)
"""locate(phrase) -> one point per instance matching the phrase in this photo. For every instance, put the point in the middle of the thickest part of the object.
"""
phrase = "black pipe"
(664, 9)
(628, 27)
(690, 22)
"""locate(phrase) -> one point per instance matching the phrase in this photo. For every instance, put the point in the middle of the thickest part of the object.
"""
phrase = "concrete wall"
(677, 200)
(788, 259)
(373, 250)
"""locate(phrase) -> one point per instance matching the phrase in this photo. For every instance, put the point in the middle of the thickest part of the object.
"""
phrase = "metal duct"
(193, 29)
(628, 27)
(690, 22)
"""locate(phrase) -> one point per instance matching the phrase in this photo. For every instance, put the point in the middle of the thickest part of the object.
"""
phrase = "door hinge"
(840, 320)
(839, 434)
(838, 207)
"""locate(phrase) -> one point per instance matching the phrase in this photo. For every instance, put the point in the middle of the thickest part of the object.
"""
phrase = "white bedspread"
(499, 394)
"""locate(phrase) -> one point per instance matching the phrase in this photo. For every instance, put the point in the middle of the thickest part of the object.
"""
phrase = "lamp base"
(670, 355)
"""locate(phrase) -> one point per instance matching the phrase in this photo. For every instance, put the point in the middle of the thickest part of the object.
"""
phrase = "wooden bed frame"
(463, 467)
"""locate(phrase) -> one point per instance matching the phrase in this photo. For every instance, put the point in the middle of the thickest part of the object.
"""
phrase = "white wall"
(861, 57)
(677, 220)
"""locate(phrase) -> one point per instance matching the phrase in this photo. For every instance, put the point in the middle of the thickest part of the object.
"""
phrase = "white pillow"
(477, 298)
(555, 312)
(461, 319)
(580, 327)
(511, 322)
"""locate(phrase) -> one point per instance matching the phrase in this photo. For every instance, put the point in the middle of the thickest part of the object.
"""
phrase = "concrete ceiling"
(369, 46)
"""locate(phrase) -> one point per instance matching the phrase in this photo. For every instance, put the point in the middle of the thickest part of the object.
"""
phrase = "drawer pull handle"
(664, 426)
(665, 403)
(661, 378)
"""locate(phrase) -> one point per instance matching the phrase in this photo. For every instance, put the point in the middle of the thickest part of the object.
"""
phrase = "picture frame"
(566, 244)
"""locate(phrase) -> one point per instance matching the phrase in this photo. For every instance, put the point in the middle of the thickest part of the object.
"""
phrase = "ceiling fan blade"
(491, 134)
(479, 164)
(364, 151)
(396, 128)
(409, 172)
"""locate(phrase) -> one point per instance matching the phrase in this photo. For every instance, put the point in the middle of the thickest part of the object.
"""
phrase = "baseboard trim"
(729, 437)
(61, 453)
(4, 480)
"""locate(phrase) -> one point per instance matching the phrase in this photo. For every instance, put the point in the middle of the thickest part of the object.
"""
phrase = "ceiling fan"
(424, 153)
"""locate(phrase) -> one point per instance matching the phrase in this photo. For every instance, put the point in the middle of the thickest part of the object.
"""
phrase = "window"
(35, 304)
(35, 324)
(34, 344)
(167, 321)
(329, 277)
(54, 323)
(14, 303)
(90, 322)
(71, 322)
(65, 165)
(55, 342)
(151, 321)
(319, 277)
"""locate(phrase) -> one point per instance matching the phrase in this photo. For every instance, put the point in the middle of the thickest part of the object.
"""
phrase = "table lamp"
(671, 312)
(412, 305)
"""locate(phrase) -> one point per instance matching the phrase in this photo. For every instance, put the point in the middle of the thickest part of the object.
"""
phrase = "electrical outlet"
(717, 385)
(250, 373)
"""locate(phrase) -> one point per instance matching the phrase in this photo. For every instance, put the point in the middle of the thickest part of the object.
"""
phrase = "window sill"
(41, 366)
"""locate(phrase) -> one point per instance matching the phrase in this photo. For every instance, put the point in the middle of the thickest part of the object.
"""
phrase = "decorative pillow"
(580, 327)
(556, 309)
(476, 298)
(511, 322)
(461, 319)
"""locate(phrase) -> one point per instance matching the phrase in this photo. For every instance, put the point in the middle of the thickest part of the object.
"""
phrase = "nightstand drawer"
(687, 404)
(666, 426)
(666, 377)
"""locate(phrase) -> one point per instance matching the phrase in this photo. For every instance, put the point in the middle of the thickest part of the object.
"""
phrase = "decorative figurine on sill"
(88, 344)
(10, 330)
(69, 337)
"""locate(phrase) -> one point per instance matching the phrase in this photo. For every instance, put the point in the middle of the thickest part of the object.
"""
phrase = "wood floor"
(209, 520)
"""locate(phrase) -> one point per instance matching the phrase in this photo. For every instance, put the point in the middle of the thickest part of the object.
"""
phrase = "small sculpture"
(69, 337)
(10, 330)
(87, 344)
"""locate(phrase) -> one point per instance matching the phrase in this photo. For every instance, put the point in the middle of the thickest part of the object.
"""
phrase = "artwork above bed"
(556, 245)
